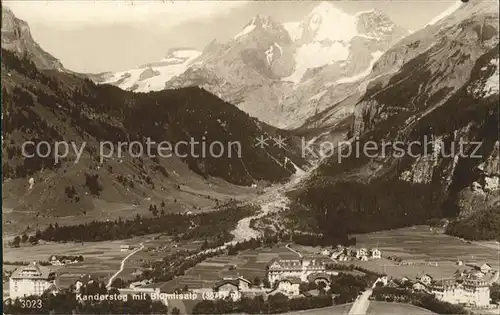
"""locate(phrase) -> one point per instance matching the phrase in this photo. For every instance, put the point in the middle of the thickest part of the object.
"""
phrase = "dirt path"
(361, 304)
(122, 265)
(293, 250)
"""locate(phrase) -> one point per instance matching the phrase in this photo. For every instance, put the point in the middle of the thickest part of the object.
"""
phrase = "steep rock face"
(255, 56)
(285, 73)
(405, 50)
(330, 62)
(447, 63)
(16, 37)
(444, 102)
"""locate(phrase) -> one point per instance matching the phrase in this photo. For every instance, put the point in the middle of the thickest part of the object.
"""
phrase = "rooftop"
(32, 271)
(293, 280)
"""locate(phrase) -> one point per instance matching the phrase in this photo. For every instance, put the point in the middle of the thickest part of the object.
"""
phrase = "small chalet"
(229, 288)
(375, 253)
(126, 248)
(426, 279)
(289, 286)
(485, 268)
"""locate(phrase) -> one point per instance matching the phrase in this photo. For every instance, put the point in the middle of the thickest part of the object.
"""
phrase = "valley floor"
(423, 250)
(272, 200)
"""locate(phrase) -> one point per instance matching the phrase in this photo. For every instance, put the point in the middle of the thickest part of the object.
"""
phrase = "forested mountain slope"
(446, 93)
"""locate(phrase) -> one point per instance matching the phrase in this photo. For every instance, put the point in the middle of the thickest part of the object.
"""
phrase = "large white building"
(31, 280)
(469, 287)
(472, 292)
(280, 269)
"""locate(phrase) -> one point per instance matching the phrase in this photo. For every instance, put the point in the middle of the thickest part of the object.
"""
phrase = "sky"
(95, 36)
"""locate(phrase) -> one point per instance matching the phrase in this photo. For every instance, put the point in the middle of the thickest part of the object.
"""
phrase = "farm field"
(423, 251)
(248, 264)
(387, 308)
(101, 259)
(333, 310)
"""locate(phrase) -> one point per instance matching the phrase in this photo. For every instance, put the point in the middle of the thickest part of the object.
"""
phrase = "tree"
(495, 293)
(16, 241)
(118, 283)
(93, 184)
(204, 245)
(24, 238)
(163, 204)
(266, 283)
(175, 311)
(256, 281)
(33, 240)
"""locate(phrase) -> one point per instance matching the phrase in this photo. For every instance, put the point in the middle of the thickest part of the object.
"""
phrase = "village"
(309, 274)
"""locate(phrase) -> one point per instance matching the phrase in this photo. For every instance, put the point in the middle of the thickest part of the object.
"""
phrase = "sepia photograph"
(250, 157)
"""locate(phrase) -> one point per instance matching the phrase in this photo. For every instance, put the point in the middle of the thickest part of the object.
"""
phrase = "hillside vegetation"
(55, 106)
(443, 95)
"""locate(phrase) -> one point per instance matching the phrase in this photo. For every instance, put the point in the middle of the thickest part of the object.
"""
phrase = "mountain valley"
(374, 81)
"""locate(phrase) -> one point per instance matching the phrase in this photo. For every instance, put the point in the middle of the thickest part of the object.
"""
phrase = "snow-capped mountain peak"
(255, 68)
(259, 22)
(373, 23)
(326, 22)
(328, 35)
(175, 56)
(152, 77)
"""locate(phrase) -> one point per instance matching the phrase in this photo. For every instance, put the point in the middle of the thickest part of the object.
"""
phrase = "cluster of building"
(284, 275)
(61, 260)
(126, 248)
(346, 253)
(468, 287)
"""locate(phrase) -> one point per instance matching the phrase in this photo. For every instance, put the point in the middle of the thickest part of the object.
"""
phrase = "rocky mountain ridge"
(16, 36)
(284, 73)
(40, 104)
(445, 91)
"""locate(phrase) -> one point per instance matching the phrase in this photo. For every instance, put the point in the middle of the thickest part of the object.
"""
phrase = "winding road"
(122, 265)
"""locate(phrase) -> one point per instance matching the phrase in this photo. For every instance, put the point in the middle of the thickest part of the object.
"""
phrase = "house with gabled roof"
(485, 268)
(426, 279)
(33, 279)
(375, 253)
(228, 288)
(289, 286)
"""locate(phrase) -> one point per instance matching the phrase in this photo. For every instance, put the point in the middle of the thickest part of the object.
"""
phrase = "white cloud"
(71, 14)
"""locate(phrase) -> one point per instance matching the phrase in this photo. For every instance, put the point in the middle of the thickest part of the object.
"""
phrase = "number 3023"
(31, 303)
